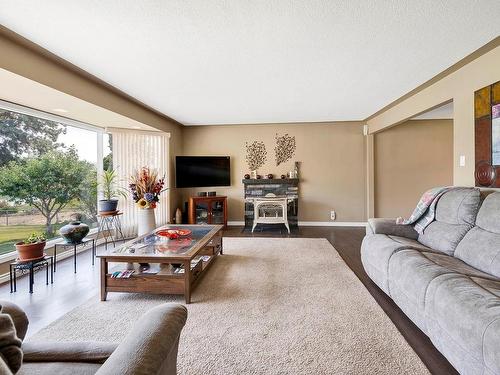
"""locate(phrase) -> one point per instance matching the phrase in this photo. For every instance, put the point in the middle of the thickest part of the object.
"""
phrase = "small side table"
(84, 242)
(30, 267)
(109, 221)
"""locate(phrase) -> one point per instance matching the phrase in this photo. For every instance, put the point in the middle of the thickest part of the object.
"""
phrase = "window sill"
(4, 258)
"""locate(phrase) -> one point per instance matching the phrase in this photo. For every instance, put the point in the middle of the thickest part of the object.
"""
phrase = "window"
(48, 173)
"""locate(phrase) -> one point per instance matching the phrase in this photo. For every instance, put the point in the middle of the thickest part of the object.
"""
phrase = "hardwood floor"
(70, 290)
(50, 302)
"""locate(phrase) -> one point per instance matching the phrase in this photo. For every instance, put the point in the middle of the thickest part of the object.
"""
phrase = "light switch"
(462, 160)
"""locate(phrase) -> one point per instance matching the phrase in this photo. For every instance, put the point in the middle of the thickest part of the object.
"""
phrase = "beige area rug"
(268, 306)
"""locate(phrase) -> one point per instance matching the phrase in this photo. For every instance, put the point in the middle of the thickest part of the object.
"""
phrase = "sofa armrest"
(151, 346)
(89, 352)
(389, 227)
(18, 317)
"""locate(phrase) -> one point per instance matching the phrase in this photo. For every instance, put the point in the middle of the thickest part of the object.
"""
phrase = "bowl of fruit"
(173, 234)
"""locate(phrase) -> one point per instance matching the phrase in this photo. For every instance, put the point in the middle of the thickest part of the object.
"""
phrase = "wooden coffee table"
(161, 265)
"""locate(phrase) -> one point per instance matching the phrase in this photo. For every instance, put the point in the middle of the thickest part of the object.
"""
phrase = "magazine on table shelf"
(125, 274)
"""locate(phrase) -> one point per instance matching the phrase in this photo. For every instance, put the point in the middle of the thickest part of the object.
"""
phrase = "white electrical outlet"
(333, 215)
(462, 160)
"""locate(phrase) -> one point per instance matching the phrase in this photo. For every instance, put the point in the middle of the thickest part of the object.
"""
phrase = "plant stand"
(75, 245)
(109, 223)
(30, 267)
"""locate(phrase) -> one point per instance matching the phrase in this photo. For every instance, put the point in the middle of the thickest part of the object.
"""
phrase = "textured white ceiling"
(241, 61)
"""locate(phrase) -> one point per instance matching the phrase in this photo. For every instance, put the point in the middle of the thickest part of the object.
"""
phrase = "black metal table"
(83, 243)
(30, 267)
(109, 221)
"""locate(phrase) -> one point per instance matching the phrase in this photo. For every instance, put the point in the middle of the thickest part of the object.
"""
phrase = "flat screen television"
(202, 171)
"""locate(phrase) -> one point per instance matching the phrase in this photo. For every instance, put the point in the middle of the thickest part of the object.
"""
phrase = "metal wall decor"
(284, 149)
(256, 154)
(487, 135)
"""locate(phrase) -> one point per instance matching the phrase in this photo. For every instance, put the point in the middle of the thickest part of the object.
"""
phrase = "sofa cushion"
(409, 243)
(52, 368)
(456, 213)
(53, 351)
(456, 265)
(491, 285)
(458, 206)
(411, 272)
(377, 249)
(481, 246)
(462, 321)
(488, 216)
(491, 343)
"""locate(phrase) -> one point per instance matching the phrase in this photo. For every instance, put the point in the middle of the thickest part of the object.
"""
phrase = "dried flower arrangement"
(284, 149)
(256, 154)
(146, 187)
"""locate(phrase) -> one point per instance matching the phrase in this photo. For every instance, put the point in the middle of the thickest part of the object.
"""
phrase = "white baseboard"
(313, 223)
(332, 223)
(235, 223)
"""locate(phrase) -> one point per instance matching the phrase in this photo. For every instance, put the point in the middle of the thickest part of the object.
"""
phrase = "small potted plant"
(32, 247)
(111, 191)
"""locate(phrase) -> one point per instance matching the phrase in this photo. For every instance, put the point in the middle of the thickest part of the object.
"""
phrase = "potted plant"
(32, 247)
(111, 191)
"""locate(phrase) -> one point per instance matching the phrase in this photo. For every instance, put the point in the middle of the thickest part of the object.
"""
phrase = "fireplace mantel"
(258, 188)
(250, 181)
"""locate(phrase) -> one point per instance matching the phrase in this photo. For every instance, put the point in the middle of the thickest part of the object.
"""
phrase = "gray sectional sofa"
(149, 348)
(446, 280)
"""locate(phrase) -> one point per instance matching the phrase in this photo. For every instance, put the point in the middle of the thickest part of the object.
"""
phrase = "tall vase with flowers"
(146, 187)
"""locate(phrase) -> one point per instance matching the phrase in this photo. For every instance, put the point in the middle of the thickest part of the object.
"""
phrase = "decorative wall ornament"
(256, 154)
(284, 149)
(487, 136)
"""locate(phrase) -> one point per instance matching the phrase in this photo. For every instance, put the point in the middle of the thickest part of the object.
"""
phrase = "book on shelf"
(151, 269)
(194, 263)
(125, 274)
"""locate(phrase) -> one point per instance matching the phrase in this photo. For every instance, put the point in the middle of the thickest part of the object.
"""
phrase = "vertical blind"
(133, 150)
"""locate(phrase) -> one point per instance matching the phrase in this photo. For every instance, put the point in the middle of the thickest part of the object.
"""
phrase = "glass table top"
(190, 238)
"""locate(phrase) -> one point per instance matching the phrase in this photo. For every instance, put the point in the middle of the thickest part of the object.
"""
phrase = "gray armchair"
(149, 348)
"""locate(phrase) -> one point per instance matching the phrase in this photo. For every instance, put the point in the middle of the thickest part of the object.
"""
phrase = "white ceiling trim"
(31, 95)
(47, 116)
(444, 112)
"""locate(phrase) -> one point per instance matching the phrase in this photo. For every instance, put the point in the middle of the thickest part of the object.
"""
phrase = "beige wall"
(331, 156)
(28, 60)
(409, 159)
(458, 86)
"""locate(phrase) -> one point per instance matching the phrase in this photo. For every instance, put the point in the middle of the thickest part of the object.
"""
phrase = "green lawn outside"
(11, 234)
